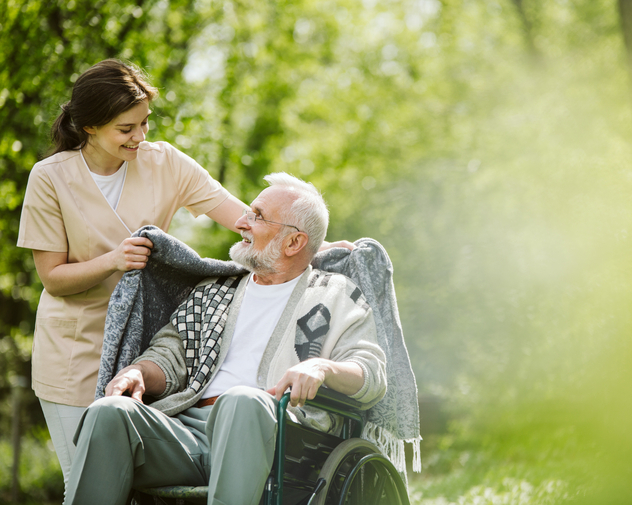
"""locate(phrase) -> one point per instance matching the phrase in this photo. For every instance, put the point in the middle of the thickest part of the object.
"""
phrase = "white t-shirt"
(110, 185)
(260, 311)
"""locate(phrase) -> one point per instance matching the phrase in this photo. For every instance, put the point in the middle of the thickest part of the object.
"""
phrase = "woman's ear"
(296, 244)
(90, 129)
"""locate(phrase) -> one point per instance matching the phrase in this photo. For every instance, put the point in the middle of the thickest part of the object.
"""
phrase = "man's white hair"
(308, 212)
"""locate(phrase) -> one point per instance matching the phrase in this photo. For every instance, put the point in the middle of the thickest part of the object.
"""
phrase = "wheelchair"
(313, 468)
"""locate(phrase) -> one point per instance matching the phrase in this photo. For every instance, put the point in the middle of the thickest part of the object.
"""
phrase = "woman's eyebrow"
(132, 124)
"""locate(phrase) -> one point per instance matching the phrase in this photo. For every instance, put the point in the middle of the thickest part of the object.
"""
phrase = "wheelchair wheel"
(356, 473)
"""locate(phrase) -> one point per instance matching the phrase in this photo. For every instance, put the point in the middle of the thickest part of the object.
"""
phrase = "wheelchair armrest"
(331, 400)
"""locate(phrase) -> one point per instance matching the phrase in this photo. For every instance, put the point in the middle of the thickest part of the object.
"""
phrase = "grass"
(498, 471)
(520, 467)
(455, 472)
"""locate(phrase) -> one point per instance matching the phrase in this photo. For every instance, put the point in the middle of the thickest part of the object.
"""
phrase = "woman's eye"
(125, 131)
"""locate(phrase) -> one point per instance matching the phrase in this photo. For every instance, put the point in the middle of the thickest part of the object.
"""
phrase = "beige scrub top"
(65, 211)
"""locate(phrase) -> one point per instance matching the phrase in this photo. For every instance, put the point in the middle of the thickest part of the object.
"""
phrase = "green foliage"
(486, 144)
(45, 46)
(40, 475)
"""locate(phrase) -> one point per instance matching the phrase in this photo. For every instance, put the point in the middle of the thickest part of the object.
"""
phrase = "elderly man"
(221, 364)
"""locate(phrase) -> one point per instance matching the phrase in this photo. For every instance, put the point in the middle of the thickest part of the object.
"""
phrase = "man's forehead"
(272, 200)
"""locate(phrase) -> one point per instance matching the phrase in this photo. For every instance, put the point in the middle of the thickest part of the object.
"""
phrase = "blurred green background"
(486, 143)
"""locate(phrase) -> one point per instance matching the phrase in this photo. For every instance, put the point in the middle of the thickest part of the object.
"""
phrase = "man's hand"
(129, 379)
(304, 379)
(346, 377)
(143, 377)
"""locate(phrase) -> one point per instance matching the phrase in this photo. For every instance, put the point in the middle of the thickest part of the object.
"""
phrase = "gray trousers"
(124, 445)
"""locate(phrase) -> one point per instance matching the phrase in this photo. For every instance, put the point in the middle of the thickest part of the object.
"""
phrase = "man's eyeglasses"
(252, 217)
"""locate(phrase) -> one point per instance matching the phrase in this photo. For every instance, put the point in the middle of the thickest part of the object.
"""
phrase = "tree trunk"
(625, 14)
(527, 26)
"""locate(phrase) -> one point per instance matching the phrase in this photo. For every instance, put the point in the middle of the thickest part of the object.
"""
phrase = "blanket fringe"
(393, 447)
(416, 443)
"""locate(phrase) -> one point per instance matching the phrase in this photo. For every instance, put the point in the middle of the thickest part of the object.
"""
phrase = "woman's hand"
(132, 254)
(61, 278)
(340, 243)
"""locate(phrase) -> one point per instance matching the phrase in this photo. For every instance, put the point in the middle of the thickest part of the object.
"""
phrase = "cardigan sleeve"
(342, 313)
(166, 351)
(358, 344)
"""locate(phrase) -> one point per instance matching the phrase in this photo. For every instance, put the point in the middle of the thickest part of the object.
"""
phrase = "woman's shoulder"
(55, 165)
(57, 159)
(161, 152)
(159, 147)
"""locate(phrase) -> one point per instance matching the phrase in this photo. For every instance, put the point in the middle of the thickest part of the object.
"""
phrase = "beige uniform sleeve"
(41, 224)
(198, 192)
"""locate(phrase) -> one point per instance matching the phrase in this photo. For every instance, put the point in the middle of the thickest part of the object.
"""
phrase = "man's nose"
(242, 223)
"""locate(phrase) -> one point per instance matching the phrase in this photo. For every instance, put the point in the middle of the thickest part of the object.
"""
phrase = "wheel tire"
(356, 473)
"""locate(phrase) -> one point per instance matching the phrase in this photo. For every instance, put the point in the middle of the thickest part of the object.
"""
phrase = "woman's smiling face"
(112, 144)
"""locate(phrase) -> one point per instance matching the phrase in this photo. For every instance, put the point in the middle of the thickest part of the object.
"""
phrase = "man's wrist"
(153, 377)
(346, 377)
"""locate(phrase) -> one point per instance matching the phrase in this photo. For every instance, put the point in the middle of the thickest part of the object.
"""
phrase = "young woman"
(82, 204)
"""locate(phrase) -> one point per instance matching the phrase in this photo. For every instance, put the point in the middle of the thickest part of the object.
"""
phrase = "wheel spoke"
(358, 474)
(379, 485)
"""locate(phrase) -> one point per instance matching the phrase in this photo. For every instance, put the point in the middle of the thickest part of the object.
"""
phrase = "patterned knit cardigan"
(144, 300)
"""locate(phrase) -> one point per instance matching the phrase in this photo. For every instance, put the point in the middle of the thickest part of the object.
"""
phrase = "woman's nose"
(139, 135)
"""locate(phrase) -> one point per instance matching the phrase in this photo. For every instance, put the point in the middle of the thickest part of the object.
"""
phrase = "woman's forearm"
(228, 212)
(61, 278)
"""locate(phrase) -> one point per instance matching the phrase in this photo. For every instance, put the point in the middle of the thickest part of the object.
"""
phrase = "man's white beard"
(259, 262)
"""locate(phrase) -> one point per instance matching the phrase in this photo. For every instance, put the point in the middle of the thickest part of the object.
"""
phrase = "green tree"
(485, 144)
(45, 46)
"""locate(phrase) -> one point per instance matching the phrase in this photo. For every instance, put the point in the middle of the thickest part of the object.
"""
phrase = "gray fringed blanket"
(144, 300)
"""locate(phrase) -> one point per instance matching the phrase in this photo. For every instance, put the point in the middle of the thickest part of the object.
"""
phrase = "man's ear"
(296, 243)
(90, 129)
